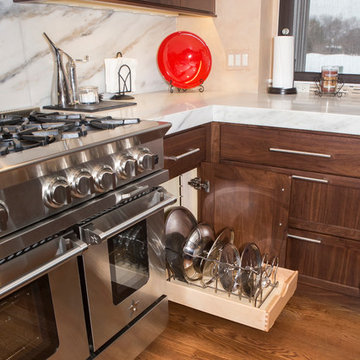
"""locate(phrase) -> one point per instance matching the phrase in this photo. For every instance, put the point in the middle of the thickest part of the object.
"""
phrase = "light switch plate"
(237, 59)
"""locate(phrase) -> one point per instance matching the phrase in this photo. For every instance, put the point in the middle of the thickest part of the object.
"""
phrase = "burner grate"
(20, 132)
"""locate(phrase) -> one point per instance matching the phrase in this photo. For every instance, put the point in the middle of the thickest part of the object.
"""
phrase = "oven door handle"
(93, 235)
(79, 247)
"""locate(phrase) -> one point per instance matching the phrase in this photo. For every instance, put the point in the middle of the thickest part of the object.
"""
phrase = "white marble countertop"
(302, 111)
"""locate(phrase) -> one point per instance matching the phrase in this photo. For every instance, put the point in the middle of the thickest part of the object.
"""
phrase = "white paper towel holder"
(288, 55)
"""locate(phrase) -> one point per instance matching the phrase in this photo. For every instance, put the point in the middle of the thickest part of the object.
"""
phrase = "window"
(129, 261)
(327, 32)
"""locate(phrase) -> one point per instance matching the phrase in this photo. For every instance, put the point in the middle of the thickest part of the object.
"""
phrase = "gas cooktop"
(30, 136)
(23, 131)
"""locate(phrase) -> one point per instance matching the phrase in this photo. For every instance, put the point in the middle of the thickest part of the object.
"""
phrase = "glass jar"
(329, 79)
(88, 95)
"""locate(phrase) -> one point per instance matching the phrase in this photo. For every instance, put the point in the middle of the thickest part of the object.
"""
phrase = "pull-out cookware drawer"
(231, 307)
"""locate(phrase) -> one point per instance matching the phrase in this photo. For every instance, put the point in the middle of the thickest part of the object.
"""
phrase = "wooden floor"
(315, 324)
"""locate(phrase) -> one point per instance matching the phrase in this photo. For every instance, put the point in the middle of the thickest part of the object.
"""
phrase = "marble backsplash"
(27, 69)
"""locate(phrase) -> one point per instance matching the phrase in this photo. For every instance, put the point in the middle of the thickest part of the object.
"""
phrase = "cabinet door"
(326, 208)
(253, 202)
(202, 5)
(323, 260)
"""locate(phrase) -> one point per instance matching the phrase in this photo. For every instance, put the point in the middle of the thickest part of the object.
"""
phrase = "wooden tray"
(232, 308)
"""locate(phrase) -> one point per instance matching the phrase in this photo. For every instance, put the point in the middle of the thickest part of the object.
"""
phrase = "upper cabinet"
(198, 7)
(160, 3)
(207, 6)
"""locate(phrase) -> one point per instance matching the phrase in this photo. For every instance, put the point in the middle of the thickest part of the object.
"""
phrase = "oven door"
(41, 312)
(125, 271)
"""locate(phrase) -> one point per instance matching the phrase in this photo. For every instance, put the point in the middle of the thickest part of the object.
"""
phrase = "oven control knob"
(4, 216)
(104, 178)
(145, 159)
(125, 166)
(57, 192)
(82, 183)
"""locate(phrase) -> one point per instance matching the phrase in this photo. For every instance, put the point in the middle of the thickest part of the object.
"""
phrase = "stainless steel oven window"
(129, 261)
(27, 323)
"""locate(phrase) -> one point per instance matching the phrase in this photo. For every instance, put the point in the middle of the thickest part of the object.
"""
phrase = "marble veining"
(187, 119)
(292, 119)
(27, 70)
(187, 110)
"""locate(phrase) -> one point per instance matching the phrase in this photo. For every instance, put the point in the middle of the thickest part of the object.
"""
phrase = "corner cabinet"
(320, 173)
(295, 193)
(198, 7)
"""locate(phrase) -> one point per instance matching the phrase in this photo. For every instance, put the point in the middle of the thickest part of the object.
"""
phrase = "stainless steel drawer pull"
(296, 152)
(178, 157)
(304, 239)
(324, 181)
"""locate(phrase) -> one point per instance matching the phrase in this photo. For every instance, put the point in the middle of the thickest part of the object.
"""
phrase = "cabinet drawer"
(330, 261)
(184, 151)
(325, 208)
(295, 149)
(132, 340)
(232, 308)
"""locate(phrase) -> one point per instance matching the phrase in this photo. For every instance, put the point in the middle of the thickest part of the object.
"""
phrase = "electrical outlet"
(302, 86)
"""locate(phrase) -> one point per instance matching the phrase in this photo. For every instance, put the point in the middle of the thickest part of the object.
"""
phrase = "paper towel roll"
(283, 64)
(112, 67)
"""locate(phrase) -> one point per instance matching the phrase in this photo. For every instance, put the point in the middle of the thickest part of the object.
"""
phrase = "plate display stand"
(201, 87)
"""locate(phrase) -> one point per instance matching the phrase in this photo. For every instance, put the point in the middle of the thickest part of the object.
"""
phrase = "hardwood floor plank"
(315, 325)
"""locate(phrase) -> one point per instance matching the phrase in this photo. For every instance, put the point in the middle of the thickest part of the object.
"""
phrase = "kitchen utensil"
(195, 249)
(210, 269)
(249, 276)
(228, 267)
(179, 222)
(184, 60)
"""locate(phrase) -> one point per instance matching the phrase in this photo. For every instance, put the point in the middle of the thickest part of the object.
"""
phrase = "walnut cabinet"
(295, 193)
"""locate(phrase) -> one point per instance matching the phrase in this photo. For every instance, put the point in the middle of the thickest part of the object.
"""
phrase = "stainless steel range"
(81, 235)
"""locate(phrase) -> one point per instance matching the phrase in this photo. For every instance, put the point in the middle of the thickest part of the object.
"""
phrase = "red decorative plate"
(184, 60)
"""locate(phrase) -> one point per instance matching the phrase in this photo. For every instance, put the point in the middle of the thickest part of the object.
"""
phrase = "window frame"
(286, 20)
